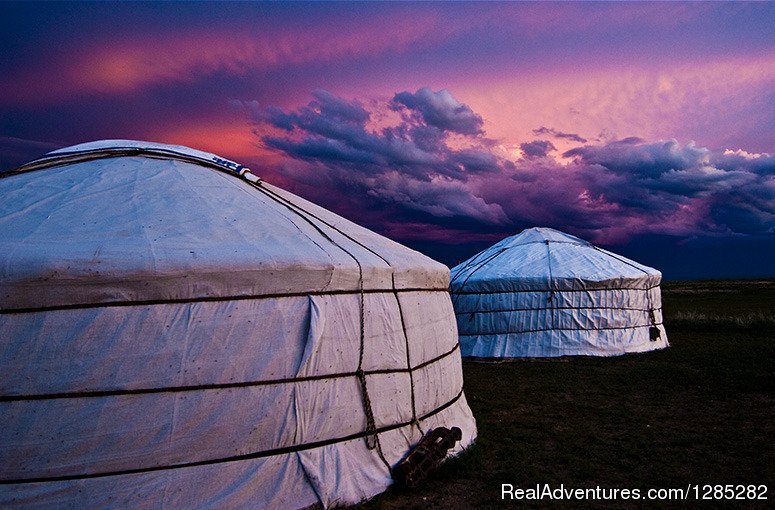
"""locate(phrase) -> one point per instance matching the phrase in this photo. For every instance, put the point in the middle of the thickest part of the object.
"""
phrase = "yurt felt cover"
(544, 293)
(174, 335)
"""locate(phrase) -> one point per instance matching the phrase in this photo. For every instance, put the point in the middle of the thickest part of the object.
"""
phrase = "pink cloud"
(540, 18)
(708, 101)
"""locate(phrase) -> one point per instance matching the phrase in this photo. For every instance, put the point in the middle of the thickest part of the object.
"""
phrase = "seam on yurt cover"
(481, 264)
(408, 361)
(278, 198)
(236, 458)
(206, 299)
(622, 260)
(205, 387)
(557, 329)
(331, 276)
(309, 478)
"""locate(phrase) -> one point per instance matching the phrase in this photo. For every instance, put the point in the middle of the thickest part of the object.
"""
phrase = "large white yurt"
(176, 333)
(544, 293)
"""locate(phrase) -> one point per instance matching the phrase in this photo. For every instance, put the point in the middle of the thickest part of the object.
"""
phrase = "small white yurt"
(544, 293)
(176, 333)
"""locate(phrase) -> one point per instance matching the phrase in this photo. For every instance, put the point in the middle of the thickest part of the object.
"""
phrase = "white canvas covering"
(173, 335)
(543, 293)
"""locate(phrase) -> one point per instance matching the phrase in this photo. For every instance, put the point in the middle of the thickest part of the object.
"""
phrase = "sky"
(645, 128)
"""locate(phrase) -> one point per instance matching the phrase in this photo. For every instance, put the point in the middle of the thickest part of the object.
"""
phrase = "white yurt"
(177, 333)
(544, 293)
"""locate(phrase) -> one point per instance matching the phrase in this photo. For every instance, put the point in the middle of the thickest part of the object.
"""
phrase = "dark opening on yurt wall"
(544, 293)
(175, 332)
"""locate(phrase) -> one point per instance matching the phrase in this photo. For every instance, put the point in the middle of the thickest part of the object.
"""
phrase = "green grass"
(699, 412)
(722, 298)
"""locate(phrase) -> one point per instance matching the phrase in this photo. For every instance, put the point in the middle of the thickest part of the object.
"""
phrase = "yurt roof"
(543, 258)
(121, 221)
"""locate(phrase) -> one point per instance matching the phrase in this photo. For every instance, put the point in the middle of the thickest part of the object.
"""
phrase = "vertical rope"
(468, 264)
(654, 332)
(552, 284)
(551, 276)
(371, 438)
(415, 422)
(481, 265)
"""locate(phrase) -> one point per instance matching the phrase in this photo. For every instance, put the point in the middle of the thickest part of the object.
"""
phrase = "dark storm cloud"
(441, 110)
(337, 108)
(729, 191)
(440, 199)
(333, 130)
(323, 149)
(557, 134)
(740, 216)
(608, 192)
(688, 187)
(737, 160)
(537, 148)
(276, 117)
(476, 161)
(426, 138)
(630, 156)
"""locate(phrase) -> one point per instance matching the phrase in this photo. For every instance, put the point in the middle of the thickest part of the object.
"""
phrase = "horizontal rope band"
(556, 291)
(211, 299)
(205, 387)
(561, 308)
(561, 329)
(236, 458)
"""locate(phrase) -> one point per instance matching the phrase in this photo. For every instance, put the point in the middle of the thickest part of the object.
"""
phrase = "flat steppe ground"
(699, 412)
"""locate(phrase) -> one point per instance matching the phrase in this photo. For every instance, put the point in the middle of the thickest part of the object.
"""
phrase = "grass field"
(699, 412)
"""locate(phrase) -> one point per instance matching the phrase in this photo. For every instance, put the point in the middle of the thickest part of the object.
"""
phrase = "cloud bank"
(434, 164)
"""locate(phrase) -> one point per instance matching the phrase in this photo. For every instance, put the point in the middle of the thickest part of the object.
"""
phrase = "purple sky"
(647, 128)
